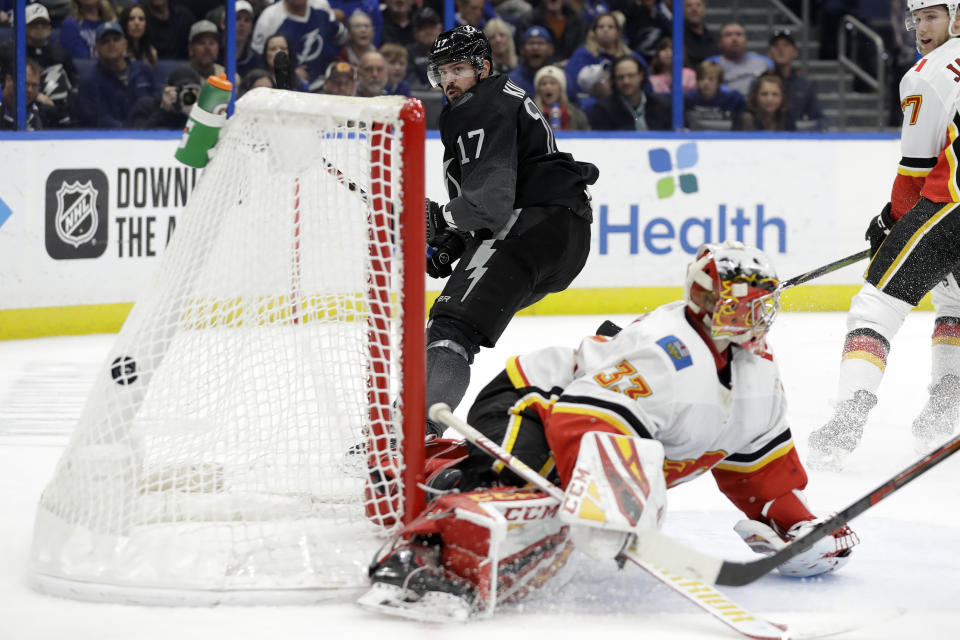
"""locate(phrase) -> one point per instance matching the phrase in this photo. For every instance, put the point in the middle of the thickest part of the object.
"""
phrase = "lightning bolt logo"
(311, 44)
(477, 264)
(51, 82)
(484, 252)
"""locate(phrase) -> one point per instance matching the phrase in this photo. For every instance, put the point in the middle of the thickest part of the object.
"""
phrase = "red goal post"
(413, 221)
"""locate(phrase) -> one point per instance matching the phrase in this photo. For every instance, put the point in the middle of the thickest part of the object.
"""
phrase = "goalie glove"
(826, 555)
(443, 252)
(878, 230)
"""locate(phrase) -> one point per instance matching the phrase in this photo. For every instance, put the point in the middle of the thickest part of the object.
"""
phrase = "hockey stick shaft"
(741, 573)
(825, 269)
(441, 413)
(343, 179)
(698, 593)
(712, 570)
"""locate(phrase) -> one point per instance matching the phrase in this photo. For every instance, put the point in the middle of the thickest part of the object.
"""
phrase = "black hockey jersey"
(500, 155)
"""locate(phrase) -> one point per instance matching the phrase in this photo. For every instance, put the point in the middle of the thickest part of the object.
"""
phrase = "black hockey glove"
(436, 224)
(879, 228)
(443, 252)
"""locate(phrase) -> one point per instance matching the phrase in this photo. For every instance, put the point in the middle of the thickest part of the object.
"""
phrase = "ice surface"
(900, 583)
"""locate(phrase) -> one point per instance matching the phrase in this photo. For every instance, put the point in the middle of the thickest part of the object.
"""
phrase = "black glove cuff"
(886, 218)
(436, 224)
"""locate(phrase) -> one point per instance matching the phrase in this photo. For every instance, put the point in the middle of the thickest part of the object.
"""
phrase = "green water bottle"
(206, 118)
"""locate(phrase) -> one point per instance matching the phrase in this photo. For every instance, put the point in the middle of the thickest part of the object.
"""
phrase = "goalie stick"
(697, 592)
(659, 549)
(725, 572)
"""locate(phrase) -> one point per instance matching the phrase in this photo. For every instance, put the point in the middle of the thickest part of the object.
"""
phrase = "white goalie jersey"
(930, 99)
(659, 379)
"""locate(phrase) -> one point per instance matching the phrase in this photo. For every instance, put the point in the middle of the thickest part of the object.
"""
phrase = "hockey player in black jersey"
(518, 221)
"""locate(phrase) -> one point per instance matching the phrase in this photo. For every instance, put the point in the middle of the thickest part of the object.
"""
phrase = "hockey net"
(224, 452)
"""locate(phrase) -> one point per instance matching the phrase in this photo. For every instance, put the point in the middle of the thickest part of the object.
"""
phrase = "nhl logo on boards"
(76, 213)
(77, 222)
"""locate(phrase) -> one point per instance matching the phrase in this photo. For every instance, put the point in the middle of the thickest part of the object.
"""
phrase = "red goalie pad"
(382, 491)
(503, 542)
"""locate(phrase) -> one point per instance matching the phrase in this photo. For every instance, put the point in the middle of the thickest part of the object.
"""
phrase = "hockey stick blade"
(741, 573)
(825, 269)
(714, 603)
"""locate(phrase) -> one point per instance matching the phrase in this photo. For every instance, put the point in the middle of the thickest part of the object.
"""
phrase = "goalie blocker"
(688, 388)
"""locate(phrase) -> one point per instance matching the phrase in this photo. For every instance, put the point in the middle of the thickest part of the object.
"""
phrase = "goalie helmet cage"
(236, 445)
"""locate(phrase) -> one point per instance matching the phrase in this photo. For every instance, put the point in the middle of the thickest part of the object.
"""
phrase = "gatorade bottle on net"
(206, 118)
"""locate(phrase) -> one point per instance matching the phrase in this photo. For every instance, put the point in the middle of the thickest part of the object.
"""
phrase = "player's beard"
(453, 87)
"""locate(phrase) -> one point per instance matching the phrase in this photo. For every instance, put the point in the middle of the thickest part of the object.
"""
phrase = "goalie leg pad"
(470, 552)
(382, 488)
(617, 489)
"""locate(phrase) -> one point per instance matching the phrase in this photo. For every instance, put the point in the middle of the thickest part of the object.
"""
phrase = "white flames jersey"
(658, 378)
(930, 98)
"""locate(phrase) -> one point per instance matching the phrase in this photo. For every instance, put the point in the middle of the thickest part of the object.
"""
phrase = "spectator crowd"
(589, 64)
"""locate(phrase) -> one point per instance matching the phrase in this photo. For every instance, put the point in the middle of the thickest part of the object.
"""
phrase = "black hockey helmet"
(463, 42)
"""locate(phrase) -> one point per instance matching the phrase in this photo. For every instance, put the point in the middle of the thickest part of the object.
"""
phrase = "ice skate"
(832, 443)
(938, 420)
(411, 583)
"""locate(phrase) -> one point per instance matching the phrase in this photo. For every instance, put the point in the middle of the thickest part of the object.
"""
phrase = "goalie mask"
(463, 42)
(915, 5)
(732, 289)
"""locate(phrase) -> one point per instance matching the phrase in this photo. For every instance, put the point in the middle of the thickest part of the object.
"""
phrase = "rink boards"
(85, 222)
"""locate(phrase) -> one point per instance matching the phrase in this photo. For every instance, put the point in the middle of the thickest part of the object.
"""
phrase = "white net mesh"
(223, 446)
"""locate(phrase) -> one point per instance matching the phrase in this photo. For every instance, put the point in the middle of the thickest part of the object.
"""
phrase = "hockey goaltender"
(688, 388)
